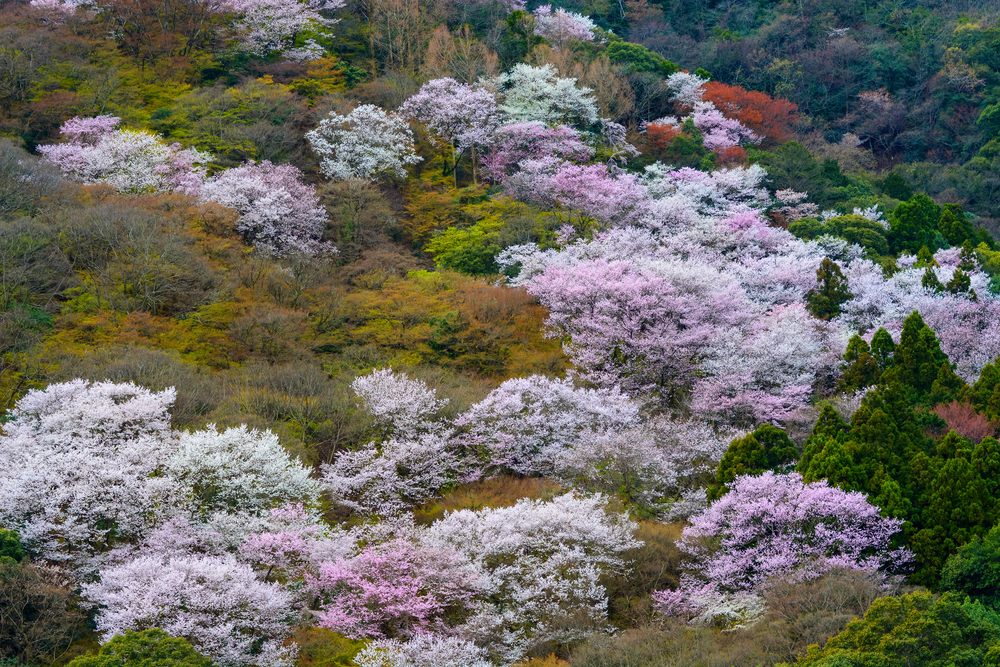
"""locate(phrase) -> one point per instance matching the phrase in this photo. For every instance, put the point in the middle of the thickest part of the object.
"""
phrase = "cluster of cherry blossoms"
(96, 150)
(277, 211)
(259, 28)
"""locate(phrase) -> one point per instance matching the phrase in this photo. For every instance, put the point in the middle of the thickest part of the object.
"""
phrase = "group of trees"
(447, 334)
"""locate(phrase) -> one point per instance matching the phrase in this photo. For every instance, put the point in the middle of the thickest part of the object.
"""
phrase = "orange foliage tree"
(771, 118)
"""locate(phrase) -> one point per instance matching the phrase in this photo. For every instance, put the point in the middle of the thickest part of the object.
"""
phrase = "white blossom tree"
(215, 602)
(531, 93)
(81, 469)
(367, 143)
(277, 211)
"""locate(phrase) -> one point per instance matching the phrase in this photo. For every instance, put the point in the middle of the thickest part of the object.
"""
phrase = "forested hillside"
(427, 333)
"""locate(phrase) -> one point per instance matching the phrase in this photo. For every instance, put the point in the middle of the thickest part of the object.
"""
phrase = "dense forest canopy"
(427, 333)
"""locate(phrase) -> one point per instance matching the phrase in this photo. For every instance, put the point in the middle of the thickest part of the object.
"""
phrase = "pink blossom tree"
(131, 161)
(543, 562)
(215, 602)
(559, 26)
(586, 195)
(395, 589)
(526, 424)
(367, 143)
(264, 27)
(513, 143)
(278, 212)
(461, 116)
(777, 526)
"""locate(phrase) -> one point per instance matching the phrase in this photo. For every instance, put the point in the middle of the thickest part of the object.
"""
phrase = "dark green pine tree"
(930, 281)
(968, 261)
(985, 394)
(917, 360)
(883, 348)
(961, 284)
(913, 224)
(831, 291)
(954, 226)
(767, 448)
(861, 370)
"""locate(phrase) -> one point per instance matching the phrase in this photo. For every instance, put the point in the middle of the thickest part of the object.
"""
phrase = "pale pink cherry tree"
(559, 26)
(544, 562)
(278, 212)
(460, 115)
(82, 470)
(264, 27)
(215, 602)
(367, 143)
(399, 404)
(526, 424)
(515, 142)
(585, 195)
(395, 589)
(777, 526)
(131, 161)
(640, 326)
(686, 89)
(766, 372)
(792, 205)
(392, 476)
(657, 466)
(292, 544)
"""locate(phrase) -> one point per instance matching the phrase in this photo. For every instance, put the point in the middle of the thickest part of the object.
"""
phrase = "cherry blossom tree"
(267, 26)
(531, 93)
(391, 477)
(398, 589)
(215, 602)
(513, 143)
(367, 143)
(559, 26)
(460, 115)
(527, 423)
(131, 161)
(777, 526)
(239, 471)
(81, 469)
(686, 89)
(277, 211)
(544, 561)
(425, 650)
(586, 194)
(399, 404)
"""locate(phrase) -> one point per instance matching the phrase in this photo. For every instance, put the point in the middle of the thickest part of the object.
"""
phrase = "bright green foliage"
(954, 226)
(639, 58)
(149, 648)
(10, 546)
(767, 448)
(865, 364)
(914, 224)
(471, 250)
(967, 259)
(913, 630)
(925, 258)
(975, 569)
(831, 292)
